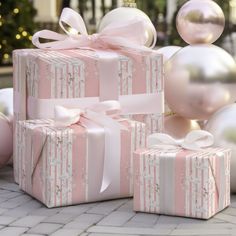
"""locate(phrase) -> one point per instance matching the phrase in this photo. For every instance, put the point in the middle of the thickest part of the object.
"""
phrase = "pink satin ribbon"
(116, 35)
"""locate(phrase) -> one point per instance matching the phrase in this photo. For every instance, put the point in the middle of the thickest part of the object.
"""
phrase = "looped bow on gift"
(130, 34)
(66, 117)
(194, 141)
(101, 113)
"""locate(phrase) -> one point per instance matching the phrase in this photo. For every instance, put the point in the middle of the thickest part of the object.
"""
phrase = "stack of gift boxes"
(102, 154)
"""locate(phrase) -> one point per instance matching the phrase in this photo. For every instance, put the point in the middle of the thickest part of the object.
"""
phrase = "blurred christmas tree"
(16, 27)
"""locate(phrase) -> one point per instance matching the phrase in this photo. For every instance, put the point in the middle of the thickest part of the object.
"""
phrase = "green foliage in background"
(16, 27)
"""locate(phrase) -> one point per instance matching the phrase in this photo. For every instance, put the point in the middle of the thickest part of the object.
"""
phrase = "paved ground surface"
(22, 215)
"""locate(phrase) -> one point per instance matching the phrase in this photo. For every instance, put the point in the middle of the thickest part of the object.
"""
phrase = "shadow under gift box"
(55, 165)
(193, 184)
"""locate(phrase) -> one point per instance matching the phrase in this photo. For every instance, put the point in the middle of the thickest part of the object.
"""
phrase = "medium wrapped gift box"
(84, 69)
(66, 166)
(43, 78)
(180, 182)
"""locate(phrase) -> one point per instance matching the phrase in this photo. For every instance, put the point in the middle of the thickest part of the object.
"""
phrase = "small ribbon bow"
(194, 141)
(100, 113)
(64, 117)
(130, 34)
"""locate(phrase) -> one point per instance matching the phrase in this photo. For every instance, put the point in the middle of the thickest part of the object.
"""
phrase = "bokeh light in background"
(18, 20)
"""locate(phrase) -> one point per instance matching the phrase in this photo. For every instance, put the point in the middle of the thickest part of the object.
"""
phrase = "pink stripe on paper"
(137, 182)
(217, 176)
(79, 164)
(125, 168)
(180, 166)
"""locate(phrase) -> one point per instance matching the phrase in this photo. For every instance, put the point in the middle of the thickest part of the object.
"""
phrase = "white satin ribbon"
(66, 117)
(129, 34)
(194, 141)
(99, 113)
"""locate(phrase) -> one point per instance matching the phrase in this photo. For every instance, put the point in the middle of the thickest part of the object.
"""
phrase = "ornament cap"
(129, 3)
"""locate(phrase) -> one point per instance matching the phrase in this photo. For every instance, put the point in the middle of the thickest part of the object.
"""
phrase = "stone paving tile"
(107, 207)
(116, 218)
(3, 199)
(84, 221)
(12, 231)
(178, 220)
(45, 228)
(28, 221)
(8, 195)
(128, 206)
(128, 230)
(143, 220)
(43, 211)
(96, 234)
(78, 210)
(214, 221)
(230, 211)
(207, 226)
(227, 218)
(24, 209)
(3, 210)
(11, 186)
(59, 218)
(34, 234)
(3, 191)
(6, 220)
(166, 226)
(15, 202)
(21, 215)
(190, 232)
(67, 232)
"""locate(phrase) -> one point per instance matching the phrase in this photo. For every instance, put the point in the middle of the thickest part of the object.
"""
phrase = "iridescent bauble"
(168, 52)
(6, 102)
(199, 80)
(6, 140)
(223, 126)
(124, 14)
(178, 127)
(200, 21)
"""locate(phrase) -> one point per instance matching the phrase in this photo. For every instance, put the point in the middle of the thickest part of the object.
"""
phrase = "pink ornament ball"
(6, 140)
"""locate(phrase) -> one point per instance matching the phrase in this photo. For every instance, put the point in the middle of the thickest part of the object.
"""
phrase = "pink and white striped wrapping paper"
(53, 164)
(182, 183)
(68, 74)
(61, 76)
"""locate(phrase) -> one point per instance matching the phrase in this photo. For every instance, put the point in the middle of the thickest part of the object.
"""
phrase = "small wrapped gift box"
(181, 182)
(87, 161)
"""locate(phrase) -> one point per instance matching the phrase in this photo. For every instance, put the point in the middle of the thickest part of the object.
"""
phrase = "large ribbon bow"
(195, 141)
(130, 34)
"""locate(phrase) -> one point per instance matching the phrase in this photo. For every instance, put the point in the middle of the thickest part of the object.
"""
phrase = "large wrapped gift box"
(65, 166)
(45, 78)
(185, 183)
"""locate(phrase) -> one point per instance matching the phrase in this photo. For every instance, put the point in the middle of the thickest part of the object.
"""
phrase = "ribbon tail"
(105, 184)
(111, 166)
(61, 41)
(112, 154)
